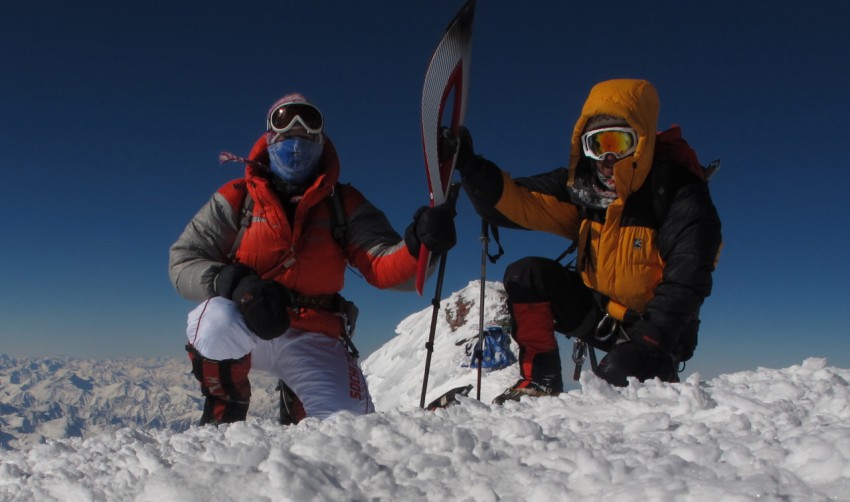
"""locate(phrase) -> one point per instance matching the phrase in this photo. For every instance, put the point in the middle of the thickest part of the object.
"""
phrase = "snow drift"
(766, 434)
(758, 435)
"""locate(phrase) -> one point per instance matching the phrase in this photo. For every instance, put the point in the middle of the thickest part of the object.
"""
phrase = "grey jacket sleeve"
(201, 250)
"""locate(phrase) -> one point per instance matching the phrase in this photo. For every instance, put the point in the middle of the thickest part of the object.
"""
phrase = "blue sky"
(113, 114)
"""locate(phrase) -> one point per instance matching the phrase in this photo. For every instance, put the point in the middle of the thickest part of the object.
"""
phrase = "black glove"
(449, 143)
(434, 227)
(635, 359)
(228, 278)
(467, 161)
(264, 305)
(645, 333)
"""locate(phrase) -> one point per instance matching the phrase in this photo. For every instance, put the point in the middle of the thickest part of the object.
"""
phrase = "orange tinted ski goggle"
(617, 141)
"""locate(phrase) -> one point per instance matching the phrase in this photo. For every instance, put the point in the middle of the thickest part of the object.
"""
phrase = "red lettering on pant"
(535, 332)
(355, 388)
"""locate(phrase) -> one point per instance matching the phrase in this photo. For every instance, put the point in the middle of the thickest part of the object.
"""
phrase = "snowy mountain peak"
(395, 371)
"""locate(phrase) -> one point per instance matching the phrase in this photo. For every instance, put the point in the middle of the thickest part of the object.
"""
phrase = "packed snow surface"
(766, 434)
(760, 435)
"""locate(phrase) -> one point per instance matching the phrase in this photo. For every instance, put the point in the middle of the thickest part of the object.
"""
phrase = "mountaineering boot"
(225, 386)
(219, 410)
(545, 379)
(449, 398)
(524, 387)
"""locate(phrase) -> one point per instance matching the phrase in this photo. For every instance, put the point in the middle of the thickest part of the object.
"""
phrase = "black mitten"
(447, 144)
(264, 305)
(635, 359)
(433, 227)
(467, 162)
(228, 278)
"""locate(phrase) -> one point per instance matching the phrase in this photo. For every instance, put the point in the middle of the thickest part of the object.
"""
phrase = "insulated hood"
(637, 102)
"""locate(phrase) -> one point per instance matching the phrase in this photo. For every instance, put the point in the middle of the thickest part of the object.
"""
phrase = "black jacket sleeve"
(689, 241)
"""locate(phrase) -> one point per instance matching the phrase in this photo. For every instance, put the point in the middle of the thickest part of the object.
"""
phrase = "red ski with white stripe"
(446, 82)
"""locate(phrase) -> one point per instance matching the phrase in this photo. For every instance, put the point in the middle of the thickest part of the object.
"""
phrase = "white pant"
(316, 367)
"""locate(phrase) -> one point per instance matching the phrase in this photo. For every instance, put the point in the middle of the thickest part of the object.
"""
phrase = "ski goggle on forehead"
(617, 141)
(288, 115)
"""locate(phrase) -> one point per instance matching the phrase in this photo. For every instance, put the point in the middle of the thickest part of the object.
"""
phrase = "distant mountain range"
(41, 399)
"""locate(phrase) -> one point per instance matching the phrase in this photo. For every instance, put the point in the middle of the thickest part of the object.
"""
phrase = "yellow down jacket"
(657, 270)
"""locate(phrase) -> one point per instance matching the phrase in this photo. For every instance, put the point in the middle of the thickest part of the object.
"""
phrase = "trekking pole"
(479, 348)
(435, 302)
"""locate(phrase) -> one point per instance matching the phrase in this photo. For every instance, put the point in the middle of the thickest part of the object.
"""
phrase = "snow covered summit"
(395, 371)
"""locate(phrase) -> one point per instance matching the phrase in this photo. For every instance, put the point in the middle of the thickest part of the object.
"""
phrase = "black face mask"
(589, 190)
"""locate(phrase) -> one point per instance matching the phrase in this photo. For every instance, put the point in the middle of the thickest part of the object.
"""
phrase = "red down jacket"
(316, 262)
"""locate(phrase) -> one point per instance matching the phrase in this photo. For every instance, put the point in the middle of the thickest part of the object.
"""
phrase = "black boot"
(220, 411)
(546, 379)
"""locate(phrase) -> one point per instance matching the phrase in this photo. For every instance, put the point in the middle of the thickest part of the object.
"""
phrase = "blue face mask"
(295, 160)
